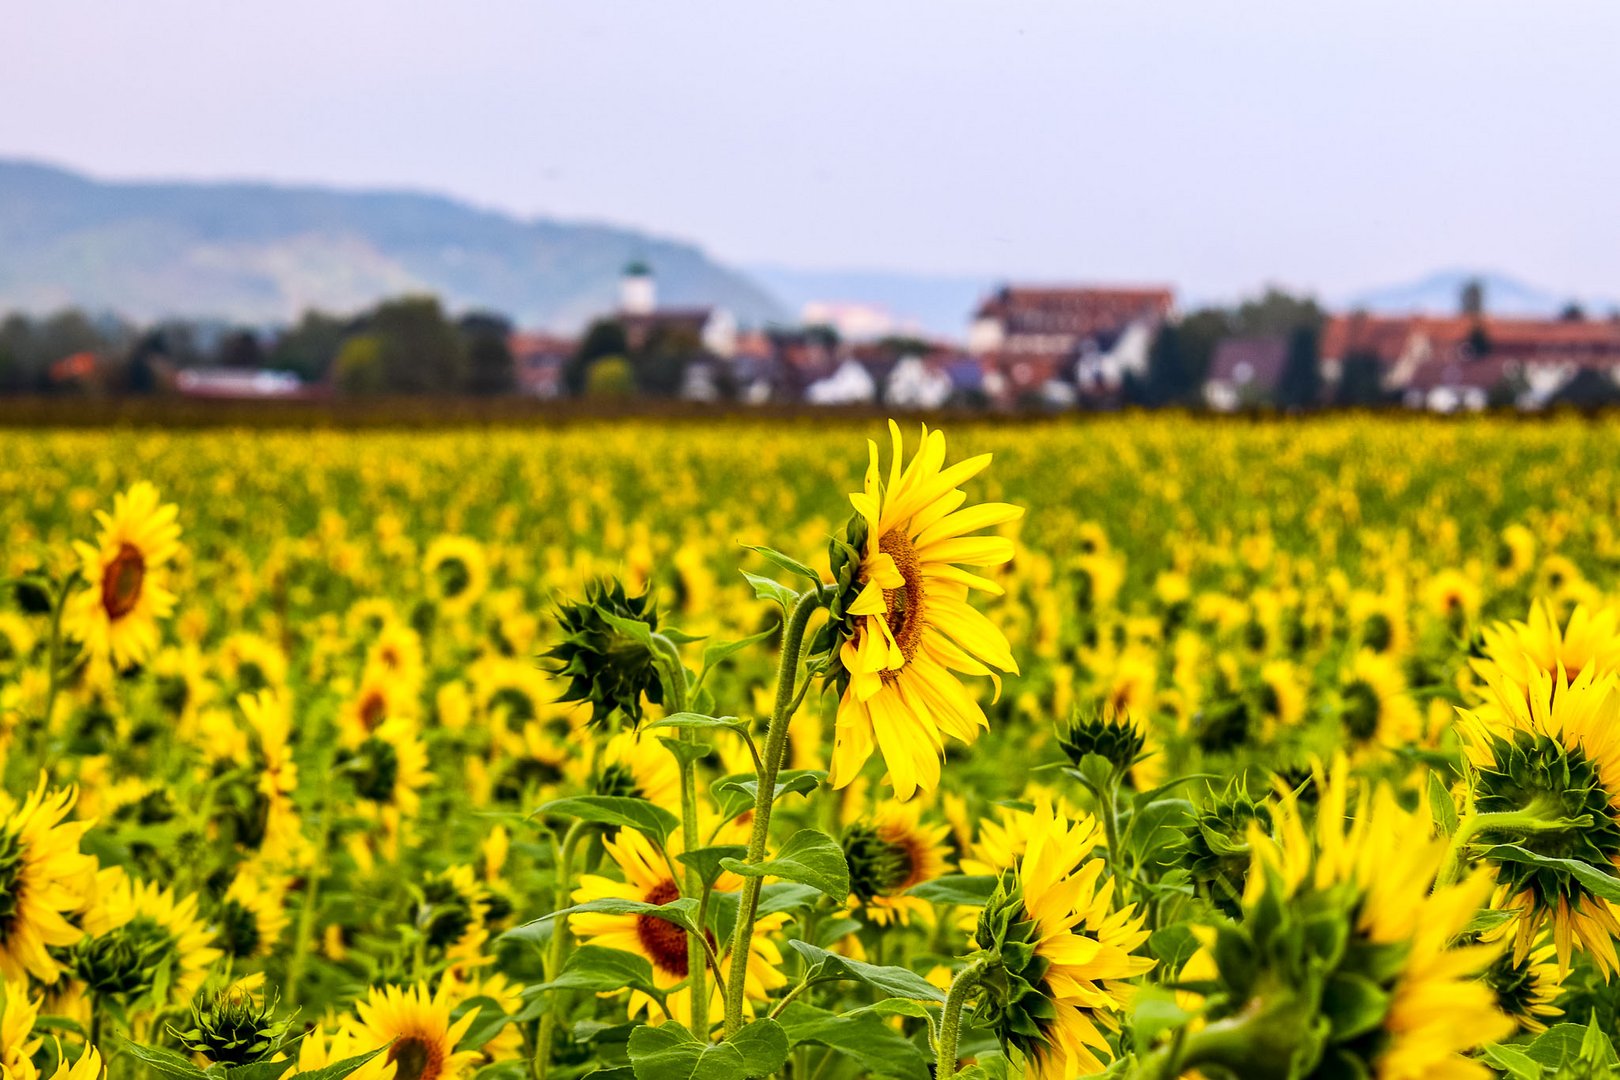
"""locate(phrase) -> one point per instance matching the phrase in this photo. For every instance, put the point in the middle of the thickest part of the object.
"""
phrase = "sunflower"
(1375, 710)
(452, 914)
(1378, 623)
(1282, 696)
(888, 853)
(1064, 949)
(381, 696)
(647, 879)
(1515, 554)
(1002, 840)
(1374, 864)
(416, 1027)
(912, 627)
(18, 1043)
(640, 766)
(1552, 749)
(530, 763)
(133, 928)
(250, 662)
(1453, 597)
(455, 573)
(269, 718)
(251, 916)
(43, 878)
(389, 768)
(398, 652)
(1525, 989)
(1538, 644)
(117, 615)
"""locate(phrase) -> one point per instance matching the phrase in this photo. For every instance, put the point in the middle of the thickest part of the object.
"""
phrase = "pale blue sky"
(1214, 145)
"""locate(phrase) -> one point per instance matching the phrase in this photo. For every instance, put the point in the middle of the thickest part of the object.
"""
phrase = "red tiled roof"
(1078, 311)
(1388, 337)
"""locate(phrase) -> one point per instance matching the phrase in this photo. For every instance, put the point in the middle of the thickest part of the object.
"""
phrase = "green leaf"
(258, 1070)
(766, 589)
(866, 1039)
(1513, 1061)
(823, 966)
(634, 629)
(788, 563)
(165, 1063)
(1173, 945)
(959, 890)
(1596, 881)
(1441, 806)
(718, 651)
(1490, 919)
(706, 860)
(1354, 1005)
(687, 753)
(619, 810)
(339, 1069)
(670, 1052)
(810, 857)
(736, 793)
(764, 1047)
(681, 911)
(699, 721)
(592, 967)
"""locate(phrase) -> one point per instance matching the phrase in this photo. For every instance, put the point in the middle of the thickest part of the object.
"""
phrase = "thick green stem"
(559, 944)
(675, 687)
(1531, 820)
(950, 1018)
(775, 750)
(54, 654)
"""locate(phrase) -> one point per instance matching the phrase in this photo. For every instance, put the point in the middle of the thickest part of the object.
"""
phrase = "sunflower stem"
(676, 694)
(54, 654)
(775, 750)
(1521, 821)
(559, 942)
(950, 1018)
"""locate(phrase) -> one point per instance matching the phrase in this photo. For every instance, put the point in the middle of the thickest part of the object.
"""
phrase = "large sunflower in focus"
(416, 1028)
(116, 617)
(1539, 644)
(911, 630)
(43, 877)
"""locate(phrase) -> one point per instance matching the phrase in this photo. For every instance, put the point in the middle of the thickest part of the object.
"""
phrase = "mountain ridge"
(259, 252)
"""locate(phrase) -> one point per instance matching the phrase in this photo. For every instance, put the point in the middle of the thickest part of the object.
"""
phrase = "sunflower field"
(1135, 747)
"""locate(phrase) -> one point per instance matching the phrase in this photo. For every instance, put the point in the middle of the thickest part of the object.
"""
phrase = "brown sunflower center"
(416, 1058)
(664, 941)
(121, 581)
(908, 605)
(373, 710)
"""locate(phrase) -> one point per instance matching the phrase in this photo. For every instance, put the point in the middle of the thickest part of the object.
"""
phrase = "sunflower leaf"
(959, 890)
(165, 1063)
(1441, 806)
(899, 982)
(592, 967)
(339, 1069)
(1596, 881)
(698, 721)
(810, 857)
(706, 860)
(736, 793)
(774, 591)
(866, 1039)
(670, 1052)
(619, 810)
(764, 1047)
(1513, 1061)
(787, 562)
(717, 651)
(682, 912)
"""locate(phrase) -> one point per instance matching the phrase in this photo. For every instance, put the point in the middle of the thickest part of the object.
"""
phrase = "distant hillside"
(1441, 292)
(262, 253)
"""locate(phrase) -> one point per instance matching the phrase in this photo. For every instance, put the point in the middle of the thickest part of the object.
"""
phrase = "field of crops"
(1140, 747)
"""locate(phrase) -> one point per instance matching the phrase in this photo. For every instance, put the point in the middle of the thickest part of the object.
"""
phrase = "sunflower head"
(604, 662)
(123, 961)
(1110, 734)
(231, 1027)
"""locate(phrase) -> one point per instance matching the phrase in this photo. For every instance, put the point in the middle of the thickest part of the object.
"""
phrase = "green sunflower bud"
(844, 554)
(1217, 852)
(123, 961)
(1107, 733)
(603, 664)
(231, 1028)
(1014, 1004)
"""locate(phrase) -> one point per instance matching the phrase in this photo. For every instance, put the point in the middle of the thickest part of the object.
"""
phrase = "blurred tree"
(609, 377)
(1276, 313)
(1572, 312)
(1360, 381)
(358, 368)
(308, 349)
(660, 367)
(1167, 381)
(1300, 386)
(1200, 332)
(1471, 301)
(241, 349)
(490, 369)
(421, 352)
(603, 338)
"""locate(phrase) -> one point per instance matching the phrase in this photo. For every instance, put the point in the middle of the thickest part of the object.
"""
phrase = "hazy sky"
(1214, 145)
